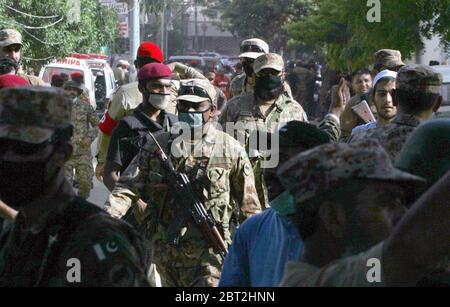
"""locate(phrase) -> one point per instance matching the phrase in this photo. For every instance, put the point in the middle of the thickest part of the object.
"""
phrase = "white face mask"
(159, 101)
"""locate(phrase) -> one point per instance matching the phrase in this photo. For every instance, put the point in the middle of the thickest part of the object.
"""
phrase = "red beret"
(12, 81)
(154, 71)
(150, 50)
(76, 75)
(57, 78)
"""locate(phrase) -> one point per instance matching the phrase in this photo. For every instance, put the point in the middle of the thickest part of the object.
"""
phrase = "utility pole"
(163, 27)
(196, 27)
(168, 20)
(134, 34)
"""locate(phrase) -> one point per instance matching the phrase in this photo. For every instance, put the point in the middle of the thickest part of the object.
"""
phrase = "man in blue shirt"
(267, 241)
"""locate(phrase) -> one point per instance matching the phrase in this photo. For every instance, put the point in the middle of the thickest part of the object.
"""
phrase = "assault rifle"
(194, 210)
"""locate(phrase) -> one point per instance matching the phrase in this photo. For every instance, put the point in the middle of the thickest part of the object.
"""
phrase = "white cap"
(384, 74)
(258, 44)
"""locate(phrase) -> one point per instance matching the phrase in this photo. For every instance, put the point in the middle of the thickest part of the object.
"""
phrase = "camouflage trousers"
(80, 168)
(200, 276)
(187, 265)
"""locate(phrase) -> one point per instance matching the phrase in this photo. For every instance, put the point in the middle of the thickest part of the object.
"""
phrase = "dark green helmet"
(427, 152)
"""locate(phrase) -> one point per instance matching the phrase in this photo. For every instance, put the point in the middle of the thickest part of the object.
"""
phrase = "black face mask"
(22, 183)
(269, 87)
(248, 68)
(8, 65)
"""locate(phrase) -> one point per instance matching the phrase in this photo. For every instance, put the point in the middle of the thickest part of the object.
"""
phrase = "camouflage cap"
(270, 60)
(326, 167)
(253, 48)
(388, 58)
(197, 90)
(10, 37)
(33, 114)
(422, 78)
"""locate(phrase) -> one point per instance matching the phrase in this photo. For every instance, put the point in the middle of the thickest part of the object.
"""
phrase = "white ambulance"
(69, 66)
(104, 80)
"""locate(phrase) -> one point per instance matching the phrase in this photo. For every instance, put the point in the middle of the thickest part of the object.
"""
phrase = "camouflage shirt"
(108, 251)
(85, 123)
(331, 125)
(244, 110)
(393, 136)
(239, 85)
(221, 174)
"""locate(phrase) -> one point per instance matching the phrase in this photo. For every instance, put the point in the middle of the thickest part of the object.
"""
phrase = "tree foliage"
(348, 40)
(263, 18)
(98, 27)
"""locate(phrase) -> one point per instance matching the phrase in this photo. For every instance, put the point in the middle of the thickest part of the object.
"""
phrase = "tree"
(175, 10)
(341, 29)
(262, 18)
(46, 38)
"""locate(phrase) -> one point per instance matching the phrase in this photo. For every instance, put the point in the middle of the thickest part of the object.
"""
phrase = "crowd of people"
(219, 182)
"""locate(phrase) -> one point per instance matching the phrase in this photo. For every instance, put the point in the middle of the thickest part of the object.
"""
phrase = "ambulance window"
(49, 72)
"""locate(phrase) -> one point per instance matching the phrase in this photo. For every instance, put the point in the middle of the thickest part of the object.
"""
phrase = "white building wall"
(432, 51)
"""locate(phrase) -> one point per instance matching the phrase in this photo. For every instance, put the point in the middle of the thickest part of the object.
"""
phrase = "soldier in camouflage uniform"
(85, 122)
(417, 99)
(128, 97)
(10, 47)
(266, 109)
(55, 231)
(251, 49)
(349, 199)
(222, 177)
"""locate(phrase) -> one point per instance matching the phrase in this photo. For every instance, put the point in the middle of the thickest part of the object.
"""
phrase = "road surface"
(100, 193)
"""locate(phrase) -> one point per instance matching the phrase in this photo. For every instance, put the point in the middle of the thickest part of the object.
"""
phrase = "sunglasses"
(23, 148)
(193, 90)
(251, 48)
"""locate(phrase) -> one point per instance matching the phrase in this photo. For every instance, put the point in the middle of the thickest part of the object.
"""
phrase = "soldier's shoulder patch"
(247, 169)
(109, 248)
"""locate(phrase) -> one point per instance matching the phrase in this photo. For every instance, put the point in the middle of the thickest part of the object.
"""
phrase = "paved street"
(100, 193)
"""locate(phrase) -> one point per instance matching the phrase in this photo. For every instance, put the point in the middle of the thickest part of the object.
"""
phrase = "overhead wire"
(40, 27)
(30, 15)
(39, 40)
